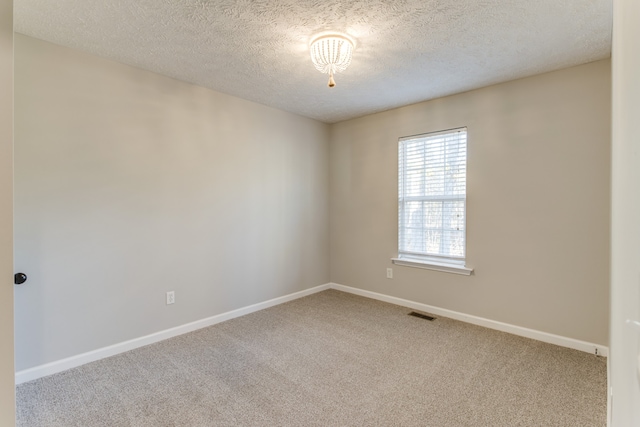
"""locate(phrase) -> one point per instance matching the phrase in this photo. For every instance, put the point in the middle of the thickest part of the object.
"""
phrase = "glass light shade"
(331, 53)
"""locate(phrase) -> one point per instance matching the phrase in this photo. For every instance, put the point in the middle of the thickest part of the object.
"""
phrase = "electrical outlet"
(171, 297)
(389, 273)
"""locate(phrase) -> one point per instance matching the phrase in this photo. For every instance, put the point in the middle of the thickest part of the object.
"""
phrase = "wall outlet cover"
(171, 297)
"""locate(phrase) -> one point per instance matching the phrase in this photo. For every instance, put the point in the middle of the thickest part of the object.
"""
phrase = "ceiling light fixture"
(331, 53)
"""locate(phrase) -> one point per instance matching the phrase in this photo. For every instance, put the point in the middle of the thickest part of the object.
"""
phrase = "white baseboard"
(91, 356)
(101, 353)
(480, 321)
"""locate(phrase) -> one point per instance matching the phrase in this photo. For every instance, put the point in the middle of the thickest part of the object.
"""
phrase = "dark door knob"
(19, 278)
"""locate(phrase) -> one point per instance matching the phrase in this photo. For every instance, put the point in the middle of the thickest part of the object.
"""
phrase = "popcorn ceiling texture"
(408, 50)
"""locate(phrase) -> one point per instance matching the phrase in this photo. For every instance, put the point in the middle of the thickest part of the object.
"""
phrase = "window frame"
(446, 263)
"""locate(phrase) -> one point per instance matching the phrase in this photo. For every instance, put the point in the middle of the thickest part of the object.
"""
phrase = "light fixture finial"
(332, 82)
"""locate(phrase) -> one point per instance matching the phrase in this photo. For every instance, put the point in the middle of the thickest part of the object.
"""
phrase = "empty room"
(303, 213)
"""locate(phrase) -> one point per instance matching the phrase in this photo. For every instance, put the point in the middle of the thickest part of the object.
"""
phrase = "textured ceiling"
(407, 50)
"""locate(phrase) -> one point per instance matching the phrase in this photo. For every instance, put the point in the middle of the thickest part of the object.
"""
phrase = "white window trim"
(447, 266)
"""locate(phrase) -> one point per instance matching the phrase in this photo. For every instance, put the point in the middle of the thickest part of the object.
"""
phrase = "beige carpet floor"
(330, 359)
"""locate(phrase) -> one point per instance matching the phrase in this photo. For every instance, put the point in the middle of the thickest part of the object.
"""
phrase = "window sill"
(434, 265)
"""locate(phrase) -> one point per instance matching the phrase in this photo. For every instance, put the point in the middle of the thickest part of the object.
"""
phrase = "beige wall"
(129, 184)
(537, 202)
(7, 399)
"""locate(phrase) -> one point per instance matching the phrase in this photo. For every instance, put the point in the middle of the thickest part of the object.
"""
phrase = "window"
(432, 187)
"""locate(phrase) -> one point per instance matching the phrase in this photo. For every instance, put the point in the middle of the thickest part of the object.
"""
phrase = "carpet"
(329, 359)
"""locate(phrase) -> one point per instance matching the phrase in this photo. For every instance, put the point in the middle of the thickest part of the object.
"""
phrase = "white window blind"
(432, 196)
